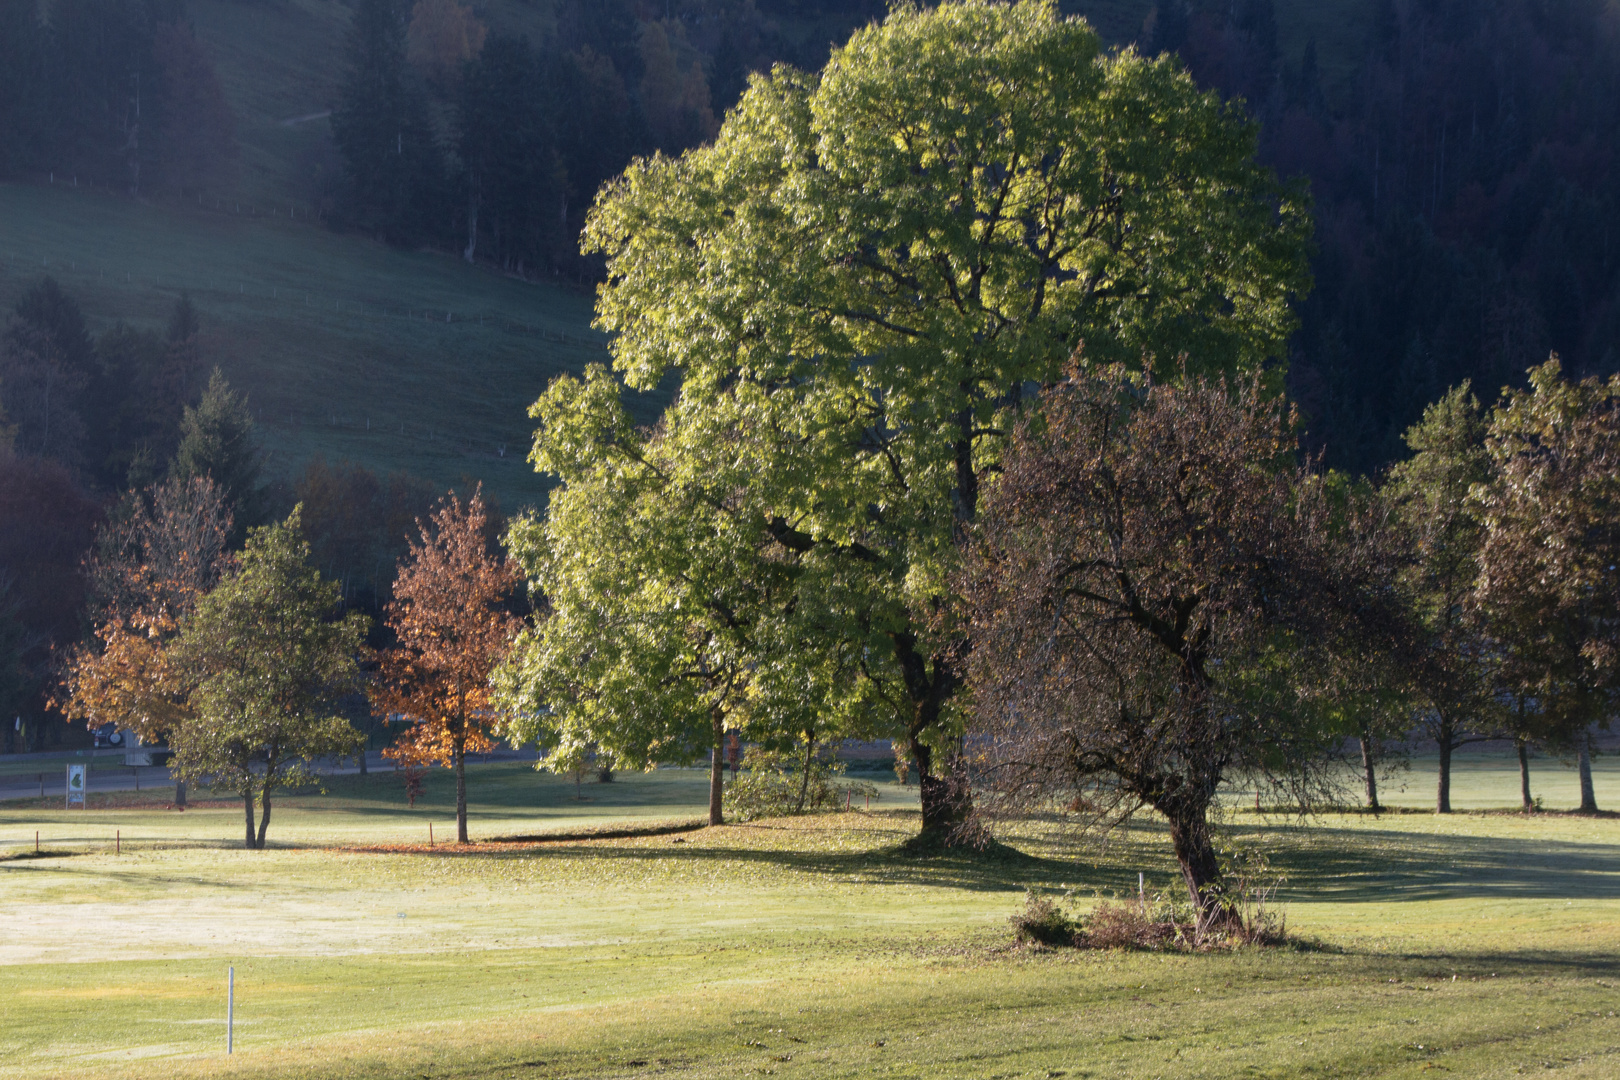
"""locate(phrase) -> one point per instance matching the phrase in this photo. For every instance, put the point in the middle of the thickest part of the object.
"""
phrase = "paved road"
(111, 774)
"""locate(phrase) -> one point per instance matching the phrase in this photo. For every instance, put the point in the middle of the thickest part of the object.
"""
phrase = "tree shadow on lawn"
(1320, 864)
(995, 869)
(1362, 865)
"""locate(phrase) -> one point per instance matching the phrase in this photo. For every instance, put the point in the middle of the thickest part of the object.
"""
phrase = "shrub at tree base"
(776, 783)
(1156, 923)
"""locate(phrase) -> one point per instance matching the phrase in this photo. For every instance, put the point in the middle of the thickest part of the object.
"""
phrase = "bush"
(1137, 926)
(1157, 921)
(773, 784)
(1043, 922)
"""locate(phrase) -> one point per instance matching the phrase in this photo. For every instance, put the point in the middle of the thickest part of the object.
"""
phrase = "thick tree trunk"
(264, 819)
(247, 808)
(179, 794)
(1200, 868)
(1442, 795)
(1525, 801)
(717, 774)
(1369, 770)
(459, 750)
(1584, 764)
(946, 802)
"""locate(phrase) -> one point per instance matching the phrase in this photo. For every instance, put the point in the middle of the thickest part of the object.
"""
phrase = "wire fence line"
(512, 448)
(296, 298)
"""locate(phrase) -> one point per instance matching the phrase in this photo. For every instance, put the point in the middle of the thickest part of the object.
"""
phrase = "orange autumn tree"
(449, 613)
(158, 555)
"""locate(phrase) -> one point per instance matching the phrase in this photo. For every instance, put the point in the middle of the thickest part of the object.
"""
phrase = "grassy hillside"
(348, 348)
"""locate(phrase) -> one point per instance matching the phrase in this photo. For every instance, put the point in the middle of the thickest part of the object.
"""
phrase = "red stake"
(430, 834)
(118, 841)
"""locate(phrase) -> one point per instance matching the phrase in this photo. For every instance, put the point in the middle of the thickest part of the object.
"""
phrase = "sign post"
(75, 786)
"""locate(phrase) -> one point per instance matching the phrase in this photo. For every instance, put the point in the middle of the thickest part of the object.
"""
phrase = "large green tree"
(262, 664)
(858, 279)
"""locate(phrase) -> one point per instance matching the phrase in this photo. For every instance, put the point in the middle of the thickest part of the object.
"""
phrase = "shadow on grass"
(1319, 864)
(1362, 865)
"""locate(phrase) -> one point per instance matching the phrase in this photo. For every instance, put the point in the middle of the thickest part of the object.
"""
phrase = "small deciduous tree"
(450, 613)
(1154, 590)
(1549, 566)
(441, 36)
(1453, 660)
(263, 663)
(161, 552)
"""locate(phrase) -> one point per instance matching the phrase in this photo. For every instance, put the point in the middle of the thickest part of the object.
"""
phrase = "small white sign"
(75, 785)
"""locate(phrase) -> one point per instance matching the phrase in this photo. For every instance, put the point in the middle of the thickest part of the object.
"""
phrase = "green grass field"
(1477, 945)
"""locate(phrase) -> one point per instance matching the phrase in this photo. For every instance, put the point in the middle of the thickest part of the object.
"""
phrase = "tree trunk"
(717, 772)
(1525, 801)
(1442, 795)
(1200, 869)
(179, 794)
(1584, 763)
(945, 800)
(247, 808)
(804, 781)
(472, 222)
(459, 750)
(1369, 769)
(264, 819)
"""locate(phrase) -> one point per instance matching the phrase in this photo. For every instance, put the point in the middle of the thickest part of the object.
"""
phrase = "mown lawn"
(1479, 945)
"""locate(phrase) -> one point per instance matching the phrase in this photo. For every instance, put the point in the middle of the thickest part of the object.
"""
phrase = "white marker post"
(230, 1009)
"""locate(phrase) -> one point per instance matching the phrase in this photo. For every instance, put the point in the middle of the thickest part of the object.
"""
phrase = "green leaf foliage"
(264, 664)
(855, 284)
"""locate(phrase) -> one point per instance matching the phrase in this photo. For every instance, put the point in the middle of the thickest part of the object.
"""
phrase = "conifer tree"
(216, 441)
(391, 164)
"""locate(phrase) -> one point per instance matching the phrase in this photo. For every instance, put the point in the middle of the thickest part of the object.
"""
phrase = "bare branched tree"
(1155, 595)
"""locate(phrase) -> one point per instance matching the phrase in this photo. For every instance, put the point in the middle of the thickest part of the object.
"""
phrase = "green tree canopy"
(857, 281)
(1452, 660)
(263, 662)
(1549, 564)
(661, 594)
